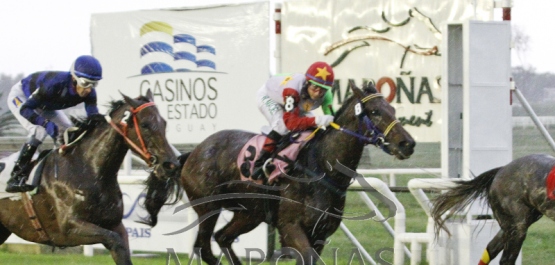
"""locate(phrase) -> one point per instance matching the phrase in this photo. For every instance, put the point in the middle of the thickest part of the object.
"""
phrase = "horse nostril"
(168, 165)
(407, 146)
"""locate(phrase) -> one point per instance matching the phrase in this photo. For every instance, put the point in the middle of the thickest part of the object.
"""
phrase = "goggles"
(83, 82)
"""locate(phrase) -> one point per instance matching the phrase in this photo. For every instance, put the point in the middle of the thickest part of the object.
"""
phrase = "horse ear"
(149, 95)
(356, 91)
(132, 102)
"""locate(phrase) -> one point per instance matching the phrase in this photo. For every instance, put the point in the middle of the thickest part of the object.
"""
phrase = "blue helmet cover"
(88, 67)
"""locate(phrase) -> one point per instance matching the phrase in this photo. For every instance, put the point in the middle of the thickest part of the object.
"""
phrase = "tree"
(9, 126)
(520, 43)
(533, 85)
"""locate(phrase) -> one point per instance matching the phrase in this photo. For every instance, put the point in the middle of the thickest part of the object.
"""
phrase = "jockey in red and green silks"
(287, 102)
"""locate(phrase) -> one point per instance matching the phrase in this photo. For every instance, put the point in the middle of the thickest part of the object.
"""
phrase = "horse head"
(377, 122)
(144, 131)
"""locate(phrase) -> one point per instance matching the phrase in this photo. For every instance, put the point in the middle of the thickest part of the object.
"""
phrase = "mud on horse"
(304, 211)
(79, 201)
(519, 194)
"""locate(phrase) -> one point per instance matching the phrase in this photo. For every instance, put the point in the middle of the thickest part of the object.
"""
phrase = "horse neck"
(349, 148)
(339, 147)
(105, 149)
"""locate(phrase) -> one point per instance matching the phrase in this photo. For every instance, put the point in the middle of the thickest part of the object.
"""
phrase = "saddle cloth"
(251, 150)
(6, 167)
(550, 184)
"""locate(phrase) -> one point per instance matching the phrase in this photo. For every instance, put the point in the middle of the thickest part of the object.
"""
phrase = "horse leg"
(292, 233)
(514, 220)
(83, 233)
(207, 221)
(241, 223)
(4, 234)
(120, 230)
(513, 244)
(318, 244)
(293, 236)
(493, 248)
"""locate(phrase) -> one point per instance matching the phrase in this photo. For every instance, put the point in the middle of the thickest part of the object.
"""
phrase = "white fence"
(526, 121)
(144, 238)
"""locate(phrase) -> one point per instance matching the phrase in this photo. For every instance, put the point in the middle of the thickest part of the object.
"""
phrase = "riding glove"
(51, 129)
(323, 120)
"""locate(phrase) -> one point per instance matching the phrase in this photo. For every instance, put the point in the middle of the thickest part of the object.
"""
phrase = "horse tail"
(160, 191)
(459, 197)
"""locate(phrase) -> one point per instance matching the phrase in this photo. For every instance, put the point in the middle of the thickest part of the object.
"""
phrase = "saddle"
(285, 155)
(33, 171)
(550, 184)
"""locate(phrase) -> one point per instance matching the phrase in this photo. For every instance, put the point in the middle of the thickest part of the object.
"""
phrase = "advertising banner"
(203, 65)
(177, 229)
(395, 44)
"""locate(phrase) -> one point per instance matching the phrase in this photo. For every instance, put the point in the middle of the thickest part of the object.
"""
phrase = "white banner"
(203, 65)
(177, 230)
(397, 44)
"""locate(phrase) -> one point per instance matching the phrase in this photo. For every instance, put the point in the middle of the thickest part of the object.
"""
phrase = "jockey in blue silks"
(37, 102)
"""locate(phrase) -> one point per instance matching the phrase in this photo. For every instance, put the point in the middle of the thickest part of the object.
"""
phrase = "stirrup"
(261, 172)
(266, 167)
(20, 185)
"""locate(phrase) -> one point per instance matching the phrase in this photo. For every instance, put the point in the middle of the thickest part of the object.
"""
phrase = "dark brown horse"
(79, 201)
(517, 196)
(305, 209)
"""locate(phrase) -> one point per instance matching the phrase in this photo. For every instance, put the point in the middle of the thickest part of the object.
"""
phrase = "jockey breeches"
(272, 111)
(16, 98)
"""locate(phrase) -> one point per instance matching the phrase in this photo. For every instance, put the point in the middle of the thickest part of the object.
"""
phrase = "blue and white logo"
(165, 51)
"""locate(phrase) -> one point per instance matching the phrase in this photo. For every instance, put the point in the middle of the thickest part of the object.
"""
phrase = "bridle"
(122, 129)
(377, 137)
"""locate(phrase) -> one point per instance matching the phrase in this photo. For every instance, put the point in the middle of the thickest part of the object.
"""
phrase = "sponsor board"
(395, 44)
(203, 65)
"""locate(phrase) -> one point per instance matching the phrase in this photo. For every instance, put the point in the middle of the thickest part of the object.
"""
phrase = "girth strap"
(28, 205)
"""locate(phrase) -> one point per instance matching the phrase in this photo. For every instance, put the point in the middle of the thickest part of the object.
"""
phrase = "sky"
(48, 35)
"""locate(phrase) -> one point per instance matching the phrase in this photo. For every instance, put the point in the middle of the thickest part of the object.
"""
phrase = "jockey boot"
(16, 183)
(262, 164)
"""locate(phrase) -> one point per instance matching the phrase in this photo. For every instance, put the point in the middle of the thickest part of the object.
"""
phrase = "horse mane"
(91, 122)
(367, 88)
(87, 124)
(115, 105)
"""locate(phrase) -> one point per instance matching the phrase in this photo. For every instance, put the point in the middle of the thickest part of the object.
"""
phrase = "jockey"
(37, 102)
(287, 101)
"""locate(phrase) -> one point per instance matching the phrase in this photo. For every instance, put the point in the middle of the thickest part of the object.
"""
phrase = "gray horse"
(517, 195)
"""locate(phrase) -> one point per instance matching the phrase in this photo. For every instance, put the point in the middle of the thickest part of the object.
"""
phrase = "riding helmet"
(88, 67)
(320, 74)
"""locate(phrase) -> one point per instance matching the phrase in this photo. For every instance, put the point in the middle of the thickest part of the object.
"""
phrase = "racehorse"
(79, 201)
(517, 195)
(305, 210)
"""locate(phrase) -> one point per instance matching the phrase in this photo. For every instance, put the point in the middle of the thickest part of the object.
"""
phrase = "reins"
(142, 151)
(377, 137)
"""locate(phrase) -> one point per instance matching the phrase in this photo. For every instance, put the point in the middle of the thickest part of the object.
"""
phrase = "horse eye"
(144, 125)
(375, 112)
